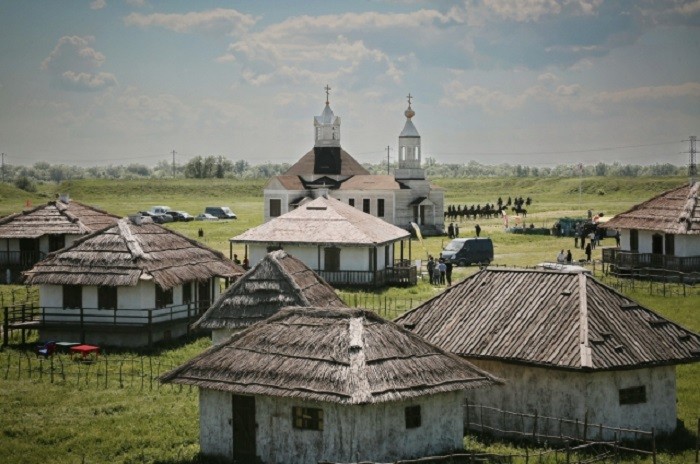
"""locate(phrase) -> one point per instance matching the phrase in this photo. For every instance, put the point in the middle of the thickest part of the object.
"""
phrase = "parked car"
(159, 209)
(221, 212)
(181, 216)
(465, 251)
(205, 217)
(162, 218)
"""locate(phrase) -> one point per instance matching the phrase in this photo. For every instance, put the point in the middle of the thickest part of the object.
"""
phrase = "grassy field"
(40, 422)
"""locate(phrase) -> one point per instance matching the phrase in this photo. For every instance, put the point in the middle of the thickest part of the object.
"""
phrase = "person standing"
(443, 271)
(569, 257)
(588, 252)
(456, 230)
(477, 228)
(448, 272)
(451, 230)
(431, 268)
(561, 257)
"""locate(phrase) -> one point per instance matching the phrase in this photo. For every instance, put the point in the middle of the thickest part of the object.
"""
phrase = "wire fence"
(385, 306)
(98, 372)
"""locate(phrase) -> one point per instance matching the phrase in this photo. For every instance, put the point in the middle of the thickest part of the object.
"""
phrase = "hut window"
(106, 297)
(412, 417)
(163, 297)
(275, 207)
(56, 242)
(72, 296)
(307, 418)
(633, 395)
(187, 293)
(331, 257)
(365, 205)
(380, 207)
(351, 202)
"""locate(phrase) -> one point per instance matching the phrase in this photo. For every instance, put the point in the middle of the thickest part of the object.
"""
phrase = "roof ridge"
(131, 242)
(356, 348)
(586, 360)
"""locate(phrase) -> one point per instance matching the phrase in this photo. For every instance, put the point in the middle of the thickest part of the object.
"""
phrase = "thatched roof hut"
(676, 211)
(131, 251)
(346, 356)
(324, 221)
(567, 345)
(277, 281)
(56, 218)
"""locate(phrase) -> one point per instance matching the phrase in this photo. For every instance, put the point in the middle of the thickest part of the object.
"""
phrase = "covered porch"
(632, 260)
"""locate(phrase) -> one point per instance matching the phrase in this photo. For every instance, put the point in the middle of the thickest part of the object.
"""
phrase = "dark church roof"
(326, 160)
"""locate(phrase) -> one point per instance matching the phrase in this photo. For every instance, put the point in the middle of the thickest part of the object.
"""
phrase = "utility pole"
(173, 164)
(3, 168)
(692, 166)
(580, 182)
(387, 159)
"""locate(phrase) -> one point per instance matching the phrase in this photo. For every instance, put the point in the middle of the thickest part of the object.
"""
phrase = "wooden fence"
(101, 372)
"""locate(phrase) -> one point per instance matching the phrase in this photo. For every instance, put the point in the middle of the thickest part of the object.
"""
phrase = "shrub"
(25, 183)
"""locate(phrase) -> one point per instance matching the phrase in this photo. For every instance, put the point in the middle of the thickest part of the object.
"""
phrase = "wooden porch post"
(401, 250)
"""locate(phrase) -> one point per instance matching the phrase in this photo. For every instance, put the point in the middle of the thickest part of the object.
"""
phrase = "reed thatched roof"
(550, 319)
(126, 253)
(277, 281)
(324, 221)
(347, 356)
(56, 218)
(675, 211)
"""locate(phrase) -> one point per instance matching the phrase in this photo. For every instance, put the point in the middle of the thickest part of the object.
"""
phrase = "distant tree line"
(210, 167)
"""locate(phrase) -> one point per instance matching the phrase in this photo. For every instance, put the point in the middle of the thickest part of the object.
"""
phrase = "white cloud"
(72, 51)
(647, 93)
(98, 4)
(218, 19)
(531, 10)
(87, 81)
(523, 10)
(137, 3)
(72, 64)
(565, 97)
(547, 78)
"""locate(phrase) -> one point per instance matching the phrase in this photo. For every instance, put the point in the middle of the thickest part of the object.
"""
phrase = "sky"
(532, 82)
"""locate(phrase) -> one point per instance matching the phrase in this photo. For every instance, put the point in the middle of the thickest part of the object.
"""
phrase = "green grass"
(62, 424)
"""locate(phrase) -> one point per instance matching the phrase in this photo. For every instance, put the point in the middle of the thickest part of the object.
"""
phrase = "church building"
(400, 199)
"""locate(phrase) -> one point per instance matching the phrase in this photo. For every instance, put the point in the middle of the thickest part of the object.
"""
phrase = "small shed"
(277, 281)
(131, 284)
(567, 345)
(339, 242)
(27, 237)
(327, 384)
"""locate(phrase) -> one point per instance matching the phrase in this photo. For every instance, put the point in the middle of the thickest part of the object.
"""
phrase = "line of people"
(566, 258)
(440, 271)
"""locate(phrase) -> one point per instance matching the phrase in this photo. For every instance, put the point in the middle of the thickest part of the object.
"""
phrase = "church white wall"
(566, 394)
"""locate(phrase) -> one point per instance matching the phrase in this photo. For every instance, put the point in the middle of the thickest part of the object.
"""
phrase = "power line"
(555, 152)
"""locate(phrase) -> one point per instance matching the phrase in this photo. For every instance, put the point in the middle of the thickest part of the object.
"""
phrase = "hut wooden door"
(244, 429)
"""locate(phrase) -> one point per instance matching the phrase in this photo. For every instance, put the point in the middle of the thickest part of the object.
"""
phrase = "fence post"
(534, 427)
(697, 444)
(24, 340)
(6, 327)
(51, 367)
(585, 426)
(106, 371)
(150, 329)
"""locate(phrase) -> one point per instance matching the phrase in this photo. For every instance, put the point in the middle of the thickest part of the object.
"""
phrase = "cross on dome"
(328, 89)
(409, 113)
